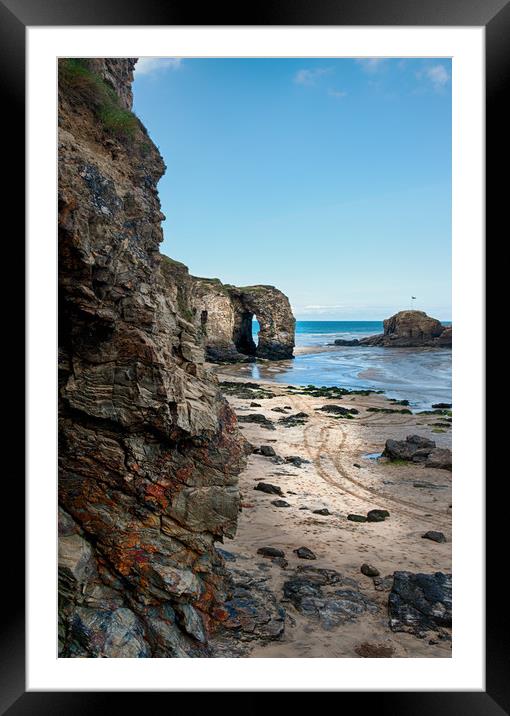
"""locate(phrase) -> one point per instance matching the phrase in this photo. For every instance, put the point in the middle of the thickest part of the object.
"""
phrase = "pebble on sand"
(369, 571)
(434, 536)
(357, 518)
(270, 552)
(268, 488)
(305, 553)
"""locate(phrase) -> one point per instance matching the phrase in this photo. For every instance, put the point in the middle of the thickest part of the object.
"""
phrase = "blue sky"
(328, 178)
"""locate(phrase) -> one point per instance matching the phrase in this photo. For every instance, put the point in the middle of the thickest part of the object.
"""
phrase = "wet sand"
(309, 350)
(341, 478)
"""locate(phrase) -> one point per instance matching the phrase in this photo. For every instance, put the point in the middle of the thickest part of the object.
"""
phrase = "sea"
(421, 375)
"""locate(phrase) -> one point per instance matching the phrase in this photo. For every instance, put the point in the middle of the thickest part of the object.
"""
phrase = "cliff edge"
(149, 450)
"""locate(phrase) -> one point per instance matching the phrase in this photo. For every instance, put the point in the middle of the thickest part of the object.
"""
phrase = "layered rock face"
(223, 315)
(149, 450)
(408, 329)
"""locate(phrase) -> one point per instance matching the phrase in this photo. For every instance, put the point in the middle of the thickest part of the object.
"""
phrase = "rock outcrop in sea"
(223, 314)
(407, 329)
(149, 450)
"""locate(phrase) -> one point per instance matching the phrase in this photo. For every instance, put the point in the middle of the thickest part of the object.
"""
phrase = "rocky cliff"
(148, 450)
(223, 316)
(408, 329)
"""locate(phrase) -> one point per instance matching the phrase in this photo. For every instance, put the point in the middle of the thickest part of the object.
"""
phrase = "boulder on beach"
(369, 571)
(434, 536)
(265, 450)
(257, 418)
(270, 552)
(268, 488)
(280, 503)
(416, 448)
(440, 458)
(305, 553)
(356, 518)
(377, 515)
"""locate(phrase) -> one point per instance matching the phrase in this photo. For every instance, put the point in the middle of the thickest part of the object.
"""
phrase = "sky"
(327, 178)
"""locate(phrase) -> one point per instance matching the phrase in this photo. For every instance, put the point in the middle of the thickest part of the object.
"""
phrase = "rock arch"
(223, 316)
(276, 321)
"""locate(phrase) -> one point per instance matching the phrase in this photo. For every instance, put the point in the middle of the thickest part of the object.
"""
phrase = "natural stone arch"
(276, 321)
(223, 316)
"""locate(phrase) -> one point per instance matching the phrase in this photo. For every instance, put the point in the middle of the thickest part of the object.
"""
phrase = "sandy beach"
(344, 476)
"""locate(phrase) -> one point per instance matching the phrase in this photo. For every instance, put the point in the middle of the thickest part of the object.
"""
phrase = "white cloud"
(371, 64)
(438, 75)
(310, 77)
(318, 309)
(149, 65)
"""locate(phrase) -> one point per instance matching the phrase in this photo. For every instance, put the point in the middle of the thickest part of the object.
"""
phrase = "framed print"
(255, 252)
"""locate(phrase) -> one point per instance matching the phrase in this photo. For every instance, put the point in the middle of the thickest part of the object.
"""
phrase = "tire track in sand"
(323, 444)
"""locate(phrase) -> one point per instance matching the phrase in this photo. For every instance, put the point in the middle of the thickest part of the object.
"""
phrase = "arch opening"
(243, 337)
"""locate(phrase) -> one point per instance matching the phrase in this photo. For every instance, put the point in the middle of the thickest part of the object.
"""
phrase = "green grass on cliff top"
(75, 76)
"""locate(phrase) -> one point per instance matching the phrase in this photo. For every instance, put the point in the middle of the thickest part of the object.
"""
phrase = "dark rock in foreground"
(326, 595)
(377, 515)
(383, 584)
(296, 460)
(270, 552)
(369, 571)
(265, 450)
(356, 518)
(247, 390)
(257, 418)
(251, 613)
(416, 448)
(434, 536)
(269, 488)
(420, 602)
(323, 511)
(280, 503)
(440, 458)
(338, 410)
(280, 561)
(291, 421)
(305, 553)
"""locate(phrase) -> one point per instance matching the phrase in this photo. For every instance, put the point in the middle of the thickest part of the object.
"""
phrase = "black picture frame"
(15, 16)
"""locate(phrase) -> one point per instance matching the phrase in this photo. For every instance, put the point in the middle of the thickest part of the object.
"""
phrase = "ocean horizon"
(309, 330)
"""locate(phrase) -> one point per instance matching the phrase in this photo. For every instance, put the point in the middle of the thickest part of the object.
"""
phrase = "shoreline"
(307, 350)
(420, 375)
(340, 477)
